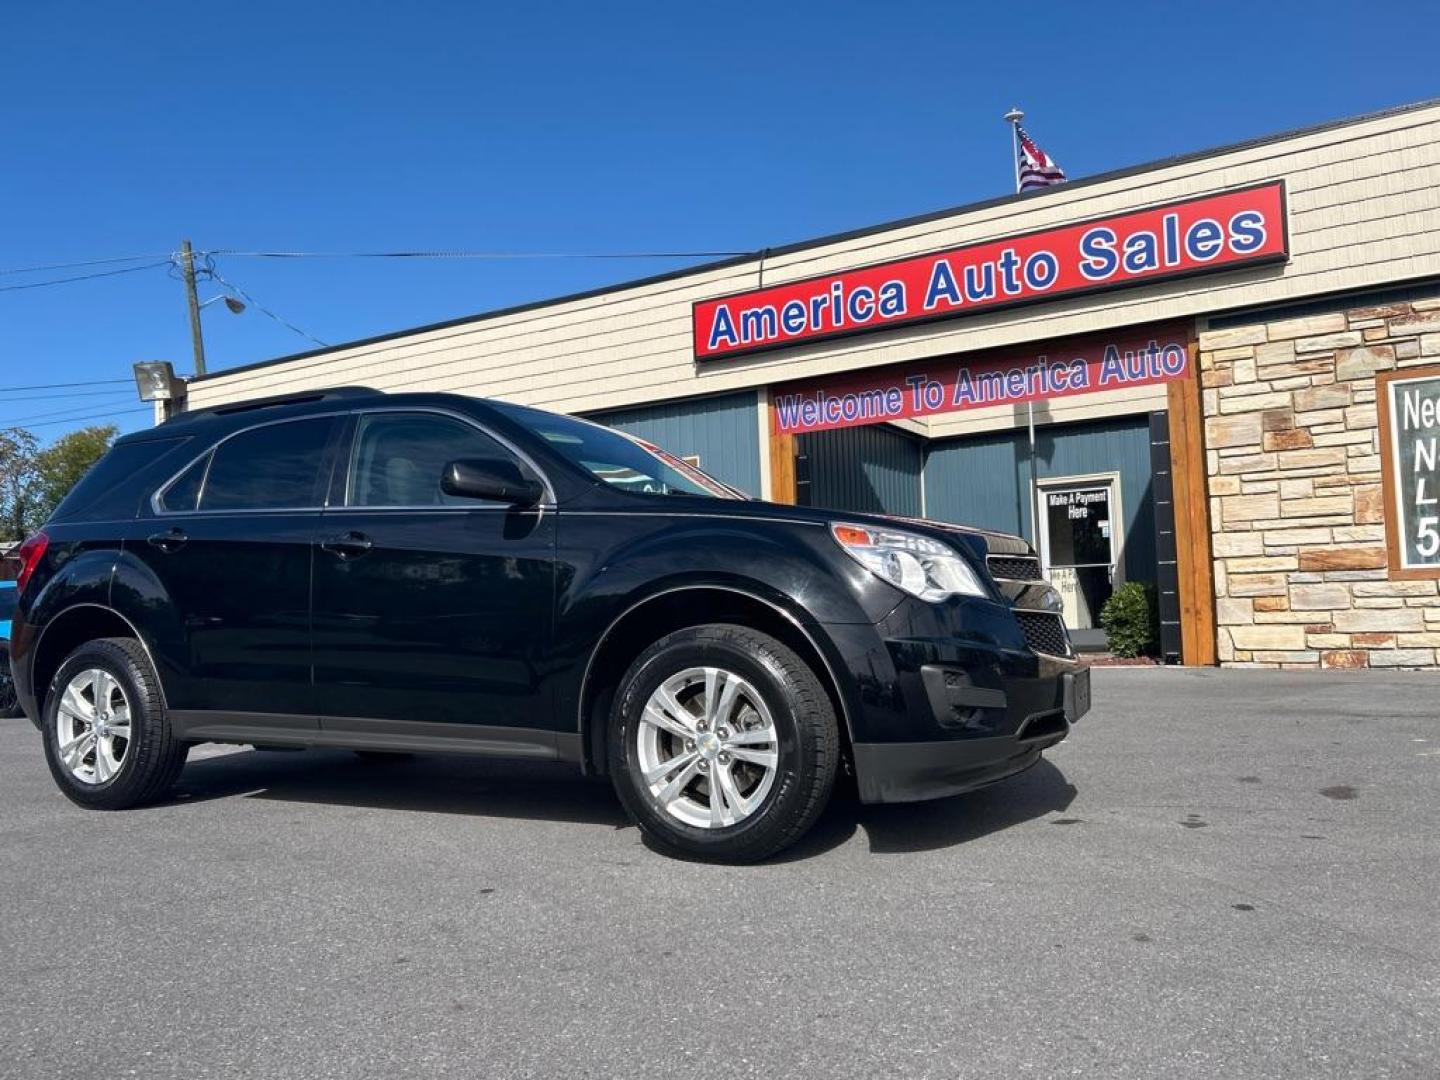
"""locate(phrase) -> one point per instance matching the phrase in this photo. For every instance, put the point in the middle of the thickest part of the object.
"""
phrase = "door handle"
(348, 545)
(170, 541)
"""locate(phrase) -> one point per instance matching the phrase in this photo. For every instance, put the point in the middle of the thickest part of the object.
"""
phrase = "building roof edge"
(833, 238)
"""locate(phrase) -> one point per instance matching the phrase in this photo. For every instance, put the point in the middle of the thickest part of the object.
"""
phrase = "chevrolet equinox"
(400, 573)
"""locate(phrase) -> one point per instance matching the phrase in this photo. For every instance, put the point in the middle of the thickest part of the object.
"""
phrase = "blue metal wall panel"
(980, 480)
(874, 469)
(985, 479)
(723, 431)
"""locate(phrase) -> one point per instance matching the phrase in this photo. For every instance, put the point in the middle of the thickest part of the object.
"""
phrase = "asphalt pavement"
(1220, 874)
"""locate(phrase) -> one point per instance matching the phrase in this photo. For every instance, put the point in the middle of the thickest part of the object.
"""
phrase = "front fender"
(609, 568)
(610, 561)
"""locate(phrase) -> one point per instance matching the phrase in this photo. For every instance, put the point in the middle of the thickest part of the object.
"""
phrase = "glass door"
(1079, 544)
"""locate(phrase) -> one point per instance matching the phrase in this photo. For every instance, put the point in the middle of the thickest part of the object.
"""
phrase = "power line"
(169, 261)
(158, 256)
(62, 414)
(93, 416)
(210, 269)
(77, 419)
(477, 254)
(86, 262)
(82, 277)
(9, 397)
(63, 385)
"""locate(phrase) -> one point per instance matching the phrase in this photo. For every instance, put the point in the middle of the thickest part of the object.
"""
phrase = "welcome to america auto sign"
(1010, 376)
(1201, 235)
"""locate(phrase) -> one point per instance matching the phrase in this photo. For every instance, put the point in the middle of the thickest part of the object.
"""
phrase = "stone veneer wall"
(1292, 449)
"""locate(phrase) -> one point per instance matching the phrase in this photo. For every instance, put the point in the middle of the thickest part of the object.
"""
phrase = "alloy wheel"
(92, 726)
(707, 748)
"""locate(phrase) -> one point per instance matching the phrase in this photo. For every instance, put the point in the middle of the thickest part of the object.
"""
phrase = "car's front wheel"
(723, 743)
(107, 739)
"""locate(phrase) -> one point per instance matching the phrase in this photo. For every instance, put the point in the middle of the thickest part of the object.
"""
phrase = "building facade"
(1210, 373)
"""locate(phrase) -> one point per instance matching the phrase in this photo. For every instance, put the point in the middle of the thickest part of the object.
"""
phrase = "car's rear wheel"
(723, 743)
(107, 740)
(9, 700)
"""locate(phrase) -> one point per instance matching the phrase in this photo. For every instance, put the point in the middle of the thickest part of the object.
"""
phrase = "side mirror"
(492, 479)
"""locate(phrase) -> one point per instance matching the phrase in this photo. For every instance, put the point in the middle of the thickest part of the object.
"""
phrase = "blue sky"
(571, 127)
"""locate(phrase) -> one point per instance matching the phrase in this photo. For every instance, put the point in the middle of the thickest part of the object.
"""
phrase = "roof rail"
(303, 397)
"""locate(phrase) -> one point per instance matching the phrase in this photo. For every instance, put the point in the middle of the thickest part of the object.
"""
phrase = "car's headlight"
(922, 567)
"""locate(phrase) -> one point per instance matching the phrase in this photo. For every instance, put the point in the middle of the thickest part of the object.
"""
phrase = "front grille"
(1045, 633)
(1014, 567)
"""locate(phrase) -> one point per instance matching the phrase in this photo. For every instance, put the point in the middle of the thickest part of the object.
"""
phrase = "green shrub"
(1131, 620)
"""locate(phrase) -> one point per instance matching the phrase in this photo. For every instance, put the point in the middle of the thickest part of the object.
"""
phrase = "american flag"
(1037, 168)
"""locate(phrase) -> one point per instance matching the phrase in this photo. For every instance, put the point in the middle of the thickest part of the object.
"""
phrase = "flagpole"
(1013, 118)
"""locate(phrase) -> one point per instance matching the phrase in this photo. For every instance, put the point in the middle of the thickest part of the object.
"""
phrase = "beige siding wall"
(1059, 411)
(1363, 202)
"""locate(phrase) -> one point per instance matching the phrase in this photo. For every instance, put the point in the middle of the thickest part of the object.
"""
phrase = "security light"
(155, 379)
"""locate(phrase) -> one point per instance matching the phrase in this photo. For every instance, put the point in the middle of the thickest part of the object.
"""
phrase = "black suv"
(426, 572)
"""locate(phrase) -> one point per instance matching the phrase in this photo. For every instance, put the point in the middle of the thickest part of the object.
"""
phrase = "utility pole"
(187, 272)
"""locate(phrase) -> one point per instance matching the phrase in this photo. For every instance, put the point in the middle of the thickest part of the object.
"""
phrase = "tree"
(60, 466)
(19, 482)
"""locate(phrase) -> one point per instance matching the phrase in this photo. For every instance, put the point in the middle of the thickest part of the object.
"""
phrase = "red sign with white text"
(1138, 357)
(1200, 235)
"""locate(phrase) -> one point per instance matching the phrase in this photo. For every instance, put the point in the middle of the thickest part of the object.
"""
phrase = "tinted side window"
(399, 458)
(275, 467)
(112, 487)
(184, 491)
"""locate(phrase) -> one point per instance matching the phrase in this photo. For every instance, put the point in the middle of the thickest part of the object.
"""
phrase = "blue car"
(9, 706)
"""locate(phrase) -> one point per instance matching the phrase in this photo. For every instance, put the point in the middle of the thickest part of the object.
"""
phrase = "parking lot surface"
(1219, 874)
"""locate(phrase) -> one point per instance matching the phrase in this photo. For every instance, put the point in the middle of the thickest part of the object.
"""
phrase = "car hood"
(979, 542)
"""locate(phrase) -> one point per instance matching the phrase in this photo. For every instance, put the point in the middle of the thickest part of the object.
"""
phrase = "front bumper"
(951, 698)
(912, 772)
(934, 769)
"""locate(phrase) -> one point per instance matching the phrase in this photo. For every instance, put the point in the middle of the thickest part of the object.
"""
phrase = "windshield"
(621, 460)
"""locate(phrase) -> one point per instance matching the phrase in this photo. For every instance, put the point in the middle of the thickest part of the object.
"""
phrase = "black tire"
(808, 742)
(382, 757)
(152, 758)
(9, 700)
